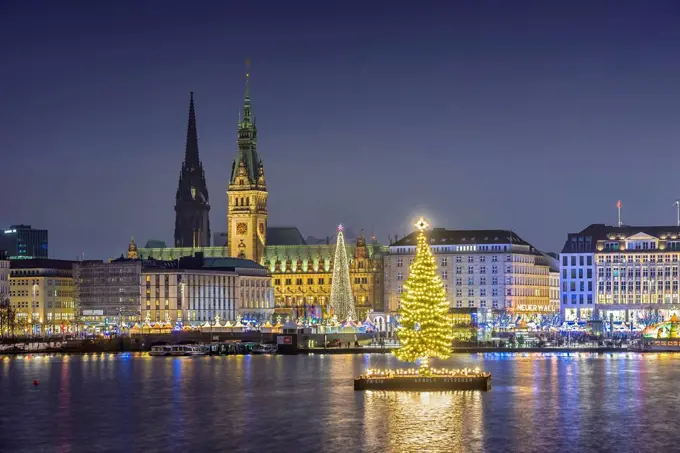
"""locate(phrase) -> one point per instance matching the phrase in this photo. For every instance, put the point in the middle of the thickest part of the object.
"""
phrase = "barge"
(431, 382)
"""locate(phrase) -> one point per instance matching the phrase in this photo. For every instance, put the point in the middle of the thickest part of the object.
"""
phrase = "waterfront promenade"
(124, 345)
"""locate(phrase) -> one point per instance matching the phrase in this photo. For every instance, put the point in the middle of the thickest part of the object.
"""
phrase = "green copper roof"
(247, 142)
(284, 236)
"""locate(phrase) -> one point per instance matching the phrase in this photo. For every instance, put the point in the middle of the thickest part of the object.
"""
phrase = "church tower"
(247, 193)
(192, 224)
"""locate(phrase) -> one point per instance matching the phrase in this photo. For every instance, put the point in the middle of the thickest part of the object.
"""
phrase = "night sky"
(530, 116)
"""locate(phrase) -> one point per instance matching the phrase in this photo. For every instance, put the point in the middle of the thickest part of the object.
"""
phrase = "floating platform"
(416, 383)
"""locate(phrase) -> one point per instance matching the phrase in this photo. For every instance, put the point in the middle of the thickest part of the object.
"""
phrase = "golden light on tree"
(424, 329)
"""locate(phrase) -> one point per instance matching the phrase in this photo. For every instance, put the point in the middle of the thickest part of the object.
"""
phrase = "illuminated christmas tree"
(424, 330)
(341, 290)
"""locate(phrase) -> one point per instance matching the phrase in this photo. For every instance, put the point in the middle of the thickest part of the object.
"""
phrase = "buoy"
(36, 382)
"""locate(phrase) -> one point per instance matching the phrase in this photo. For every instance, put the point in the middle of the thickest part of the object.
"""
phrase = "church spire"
(191, 159)
(192, 225)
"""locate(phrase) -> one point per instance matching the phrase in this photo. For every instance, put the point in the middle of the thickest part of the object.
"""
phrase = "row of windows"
(638, 259)
(578, 299)
(582, 261)
(637, 299)
(619, 258)
(204, 280)
(574, 272)
(453, 248)
(471, 292)
(49, 305)
(660, 286)
(444, 261)
(608, 287)
(646, 272)
(310, 266)
(40, 272)
(572, 286)
(298, 281)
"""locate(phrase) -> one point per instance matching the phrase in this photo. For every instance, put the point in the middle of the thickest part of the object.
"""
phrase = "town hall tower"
(247, 192)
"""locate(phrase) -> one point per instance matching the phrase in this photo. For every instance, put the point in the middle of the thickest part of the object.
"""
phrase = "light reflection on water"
(539, 402)
(450, 421)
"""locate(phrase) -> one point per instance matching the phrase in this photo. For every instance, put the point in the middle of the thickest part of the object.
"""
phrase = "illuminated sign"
(10, 231)
(284, 340)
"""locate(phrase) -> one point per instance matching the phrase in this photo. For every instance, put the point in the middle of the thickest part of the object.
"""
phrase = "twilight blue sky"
(533, 116)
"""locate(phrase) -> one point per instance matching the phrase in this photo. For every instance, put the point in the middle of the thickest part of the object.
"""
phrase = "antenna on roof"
(677, 209)
(619, 205)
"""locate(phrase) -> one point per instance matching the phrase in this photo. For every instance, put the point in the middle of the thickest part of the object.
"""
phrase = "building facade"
(247, 193)
(6, 312)
(42, 296)
(108, 293)
(303, 273)
(4, 279)
(24, 242)
(482, 270)
(188, 290)
(196, 290)
(192, 221)
(623, 274)
(553, 262)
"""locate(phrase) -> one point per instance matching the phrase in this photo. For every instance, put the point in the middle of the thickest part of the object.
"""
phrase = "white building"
(621, 274)
(224, 287)
(191, 290)
(481, 269)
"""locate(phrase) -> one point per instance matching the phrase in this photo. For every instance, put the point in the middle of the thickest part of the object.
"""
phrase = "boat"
(414, 380)
(176, 350)
(660, 337)
(265, 349)
(670, 345)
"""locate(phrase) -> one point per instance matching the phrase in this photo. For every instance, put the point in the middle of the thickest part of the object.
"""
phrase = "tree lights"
(424, 329)
(342, 300)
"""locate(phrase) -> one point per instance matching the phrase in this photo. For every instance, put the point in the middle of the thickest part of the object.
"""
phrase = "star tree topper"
(422, 224)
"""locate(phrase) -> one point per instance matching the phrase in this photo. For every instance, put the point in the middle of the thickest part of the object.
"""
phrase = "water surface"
(539, 403)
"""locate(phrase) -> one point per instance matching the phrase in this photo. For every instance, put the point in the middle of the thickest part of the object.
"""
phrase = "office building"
(24, 242)
(108, 293)
(624, 274)
(42, 295)
(194, 290)
(190, 290)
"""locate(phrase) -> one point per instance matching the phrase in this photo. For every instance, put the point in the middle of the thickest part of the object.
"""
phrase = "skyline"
(414, 110)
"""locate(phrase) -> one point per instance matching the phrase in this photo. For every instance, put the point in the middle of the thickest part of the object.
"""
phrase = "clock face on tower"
(241, 228)
(261, 228)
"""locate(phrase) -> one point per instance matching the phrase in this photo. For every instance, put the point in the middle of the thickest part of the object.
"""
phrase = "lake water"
(131, 402)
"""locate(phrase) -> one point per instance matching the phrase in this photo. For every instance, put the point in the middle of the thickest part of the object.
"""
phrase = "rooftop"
(284, 236)
(41, 263)
(198, 261)
(442, 236)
